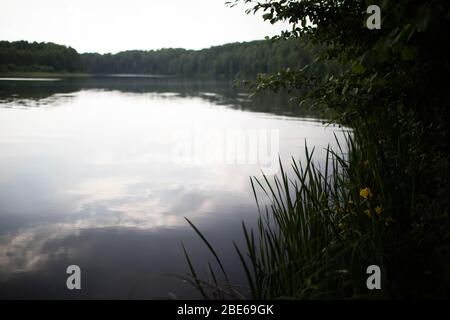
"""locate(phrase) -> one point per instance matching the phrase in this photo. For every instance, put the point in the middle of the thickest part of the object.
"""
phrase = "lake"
(100, 172)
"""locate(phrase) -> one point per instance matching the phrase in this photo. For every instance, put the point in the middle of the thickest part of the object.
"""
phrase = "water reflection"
(43, 93)
(88, 178)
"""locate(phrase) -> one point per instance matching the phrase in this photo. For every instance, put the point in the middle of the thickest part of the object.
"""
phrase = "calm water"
(101, 173)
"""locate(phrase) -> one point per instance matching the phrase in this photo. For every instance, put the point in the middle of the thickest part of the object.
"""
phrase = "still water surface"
(91, 174)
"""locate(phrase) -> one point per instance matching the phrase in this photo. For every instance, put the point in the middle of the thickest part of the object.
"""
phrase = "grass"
(323, 227)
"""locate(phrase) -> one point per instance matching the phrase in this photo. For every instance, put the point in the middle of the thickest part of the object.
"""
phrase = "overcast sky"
(115, 25)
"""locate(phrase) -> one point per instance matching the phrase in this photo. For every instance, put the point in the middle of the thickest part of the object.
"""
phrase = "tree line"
(229, 61)
(24, 56)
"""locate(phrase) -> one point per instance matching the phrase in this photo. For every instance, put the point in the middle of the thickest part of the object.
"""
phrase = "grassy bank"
(384, 203)
(324, 226)
(328, 222)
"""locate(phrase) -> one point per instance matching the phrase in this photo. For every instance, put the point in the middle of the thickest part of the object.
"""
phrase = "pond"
(100, 172)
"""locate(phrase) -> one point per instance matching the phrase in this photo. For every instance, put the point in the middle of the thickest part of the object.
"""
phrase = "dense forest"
(23, 56)
(235, 60)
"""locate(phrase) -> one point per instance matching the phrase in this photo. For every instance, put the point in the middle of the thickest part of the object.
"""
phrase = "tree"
(25, 56)
(392, 89)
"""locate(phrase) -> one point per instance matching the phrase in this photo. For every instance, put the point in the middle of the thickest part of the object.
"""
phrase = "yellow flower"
(378, 209)
(368, 213)
(389, 221)
(365, 193)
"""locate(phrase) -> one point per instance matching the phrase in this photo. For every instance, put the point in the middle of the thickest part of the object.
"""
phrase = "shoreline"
(33, 74)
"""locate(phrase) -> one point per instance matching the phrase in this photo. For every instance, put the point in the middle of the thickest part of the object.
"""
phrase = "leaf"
(358, 68)
(267, 16)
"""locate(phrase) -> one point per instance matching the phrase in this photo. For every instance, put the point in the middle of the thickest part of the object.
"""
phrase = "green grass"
(321, 230)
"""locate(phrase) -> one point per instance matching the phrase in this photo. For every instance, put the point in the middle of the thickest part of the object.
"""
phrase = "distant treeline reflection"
(219, 92)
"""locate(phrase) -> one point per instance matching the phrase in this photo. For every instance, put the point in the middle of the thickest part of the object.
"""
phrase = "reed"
(324, 224)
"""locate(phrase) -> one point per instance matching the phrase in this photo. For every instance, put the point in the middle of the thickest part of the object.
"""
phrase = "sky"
(116, 25)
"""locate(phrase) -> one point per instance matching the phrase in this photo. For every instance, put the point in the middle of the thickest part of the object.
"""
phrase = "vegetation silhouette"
(383, 198)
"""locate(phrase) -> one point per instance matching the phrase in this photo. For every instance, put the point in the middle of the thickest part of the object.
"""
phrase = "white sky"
(116, 25)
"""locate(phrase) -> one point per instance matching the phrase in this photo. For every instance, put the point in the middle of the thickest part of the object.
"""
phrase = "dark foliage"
(395, 94)
(42, 57)
(235, 60)
(230, 61)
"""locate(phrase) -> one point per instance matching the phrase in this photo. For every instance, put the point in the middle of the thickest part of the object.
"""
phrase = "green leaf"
(358, 68)
(267, 16)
